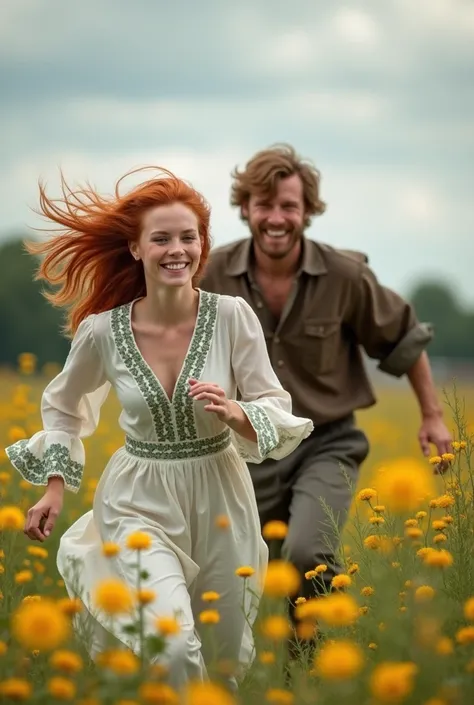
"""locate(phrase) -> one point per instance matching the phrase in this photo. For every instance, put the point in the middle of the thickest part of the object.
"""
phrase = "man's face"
(277, 223)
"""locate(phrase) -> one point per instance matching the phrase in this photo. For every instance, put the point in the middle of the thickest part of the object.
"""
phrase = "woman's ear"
(132, 246)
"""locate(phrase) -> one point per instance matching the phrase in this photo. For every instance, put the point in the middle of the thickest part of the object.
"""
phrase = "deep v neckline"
(189, 349)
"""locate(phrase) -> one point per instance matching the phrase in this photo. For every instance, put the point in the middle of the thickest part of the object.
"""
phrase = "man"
(318, 307)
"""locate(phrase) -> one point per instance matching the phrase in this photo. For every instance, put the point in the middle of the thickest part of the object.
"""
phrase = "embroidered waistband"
(178, 450)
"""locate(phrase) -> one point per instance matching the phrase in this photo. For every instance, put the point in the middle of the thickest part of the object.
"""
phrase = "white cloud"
(357, 26)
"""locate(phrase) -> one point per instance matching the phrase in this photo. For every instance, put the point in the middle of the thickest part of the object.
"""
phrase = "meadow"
(397, 626)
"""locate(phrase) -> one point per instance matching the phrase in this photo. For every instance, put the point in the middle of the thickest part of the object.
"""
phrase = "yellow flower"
(27, 363)
(206, 693)
(391, 682)
(121, 662)
(424, 593)
(210, 596)
(405, 485)
(435, 460)
(209, 617)
(37, 551)
(465, 635)
(339, 660)
(40, 625)
(367, 591)
(167, 626)
(440, 538)
(67, 661)
(70, 605)
(354, 568)
(448, 457)
(310, 574)
(439, 559)
(421, 515)
(275, 530)
(279, 696)
(305, 631)
(366, 494)
(321, 568)
(372, 542)
(379, 509)
(412, 532)
(373, 646)
(16, 689)
(469, 609)
(444, 646)
(11, 518)
(411, 522)
(266, 657)
(282, 579)
(438, 525)
(443, 502)
(245, 571)
(145, 596)
(61, 688)
(275, 627)
(113, 597)
(16, 433)
(341, 581)
(139, 541)
(377, 520)
(158, 694)
(447, 519)
(396, 564)
(110, 549)
(222, 521)
(338, 610)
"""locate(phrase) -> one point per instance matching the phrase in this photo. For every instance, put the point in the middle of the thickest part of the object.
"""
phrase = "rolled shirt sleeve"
(386, 325)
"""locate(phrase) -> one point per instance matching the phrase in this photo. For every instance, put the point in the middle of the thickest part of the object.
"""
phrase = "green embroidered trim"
(56, 462)
(173, 420)
(267, 436)
(180, 450)
(194, 365)
(147, 383)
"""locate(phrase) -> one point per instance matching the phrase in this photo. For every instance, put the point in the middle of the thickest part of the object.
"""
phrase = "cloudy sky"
(380, 95)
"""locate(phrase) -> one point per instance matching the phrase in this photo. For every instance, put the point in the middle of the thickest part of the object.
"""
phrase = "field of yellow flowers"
(397, 626)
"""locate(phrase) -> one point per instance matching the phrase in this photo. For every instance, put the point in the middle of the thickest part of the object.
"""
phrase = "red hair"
(90, 259)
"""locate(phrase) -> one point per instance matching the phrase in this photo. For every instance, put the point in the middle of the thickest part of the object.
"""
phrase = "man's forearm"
(421, 380)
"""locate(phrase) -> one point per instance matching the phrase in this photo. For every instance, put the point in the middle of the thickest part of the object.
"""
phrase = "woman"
(178, 358)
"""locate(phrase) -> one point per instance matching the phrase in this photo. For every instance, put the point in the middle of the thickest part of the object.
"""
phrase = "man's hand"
(434, 430)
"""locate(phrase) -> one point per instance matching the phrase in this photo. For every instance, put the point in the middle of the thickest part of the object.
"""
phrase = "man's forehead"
(287, 186)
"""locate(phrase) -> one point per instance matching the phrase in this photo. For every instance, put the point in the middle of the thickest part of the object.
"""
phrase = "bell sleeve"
(262, 398)
(70, 409)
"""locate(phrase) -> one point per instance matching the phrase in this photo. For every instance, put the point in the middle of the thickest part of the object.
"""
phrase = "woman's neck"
(169, 305)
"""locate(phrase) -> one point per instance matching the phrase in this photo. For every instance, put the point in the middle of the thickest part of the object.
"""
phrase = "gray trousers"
(323, 470)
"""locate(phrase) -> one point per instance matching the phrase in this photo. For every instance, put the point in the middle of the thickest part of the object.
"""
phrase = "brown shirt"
(335, 308)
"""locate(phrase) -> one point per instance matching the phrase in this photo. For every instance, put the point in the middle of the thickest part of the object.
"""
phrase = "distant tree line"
(28, 323)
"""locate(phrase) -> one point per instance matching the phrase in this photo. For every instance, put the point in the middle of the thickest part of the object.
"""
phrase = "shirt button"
(280, 363)
(259, 304)
(277, 340)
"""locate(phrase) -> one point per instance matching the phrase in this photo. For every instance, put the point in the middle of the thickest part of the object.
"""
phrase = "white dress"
(180, 467)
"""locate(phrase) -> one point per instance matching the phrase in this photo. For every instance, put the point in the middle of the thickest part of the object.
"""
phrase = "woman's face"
(169, 245)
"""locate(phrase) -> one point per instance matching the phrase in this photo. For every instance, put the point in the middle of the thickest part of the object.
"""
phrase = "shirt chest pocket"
(321, 343)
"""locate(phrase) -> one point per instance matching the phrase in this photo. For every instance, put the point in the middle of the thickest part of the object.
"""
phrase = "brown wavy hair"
(263, 171)
(90, 260)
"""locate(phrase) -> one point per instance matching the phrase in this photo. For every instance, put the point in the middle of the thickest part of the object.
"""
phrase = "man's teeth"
(276, 233)
(180, 265)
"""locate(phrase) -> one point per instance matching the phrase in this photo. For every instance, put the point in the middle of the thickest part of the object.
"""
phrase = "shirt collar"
(240, 260)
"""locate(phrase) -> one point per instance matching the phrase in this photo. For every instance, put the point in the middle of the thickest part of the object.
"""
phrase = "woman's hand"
(41, 518)
(226, 409)
(215, 395)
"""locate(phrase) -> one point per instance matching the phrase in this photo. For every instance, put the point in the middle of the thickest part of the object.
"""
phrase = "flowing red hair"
(90, 260)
